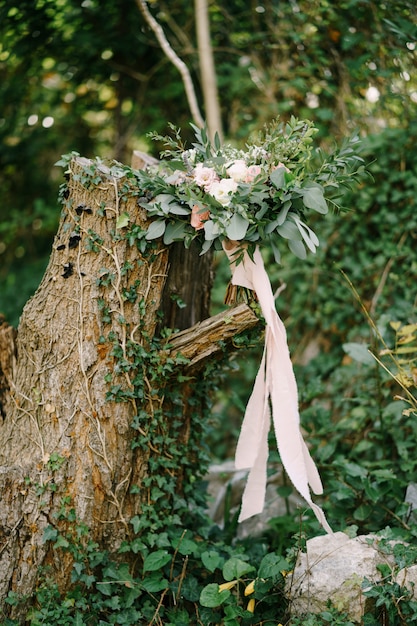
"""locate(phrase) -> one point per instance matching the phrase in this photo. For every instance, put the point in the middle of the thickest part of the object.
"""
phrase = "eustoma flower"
(204, 176)
(238, 170)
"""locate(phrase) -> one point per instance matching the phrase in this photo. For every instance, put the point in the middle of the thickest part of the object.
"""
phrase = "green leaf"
(154, 583)
(156, 560)
(78, 621)
(163, 200)
(174, 231)
(236, 230)
(362, 512)
(123, 220)
(272, 565)
(313, 198)
(185, 546)
(276, 251)
(211, 596)
(130, 597)
(211, 560)
(61, 542)
(359, 352)
(236, 568)
(106, 588)
(289, 230)
(310, 238)
(156, 229)
(177, 209)
(50, 534)
(190, 589)
(297, 248)
(211, 230)
(278, 177)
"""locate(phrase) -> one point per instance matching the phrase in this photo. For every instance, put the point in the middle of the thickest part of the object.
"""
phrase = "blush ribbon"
(275, 387)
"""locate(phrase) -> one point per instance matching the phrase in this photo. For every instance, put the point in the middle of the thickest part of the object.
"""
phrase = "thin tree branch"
(175, 60)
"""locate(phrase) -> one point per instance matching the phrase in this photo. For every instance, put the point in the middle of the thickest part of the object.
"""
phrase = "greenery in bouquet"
(262, 194)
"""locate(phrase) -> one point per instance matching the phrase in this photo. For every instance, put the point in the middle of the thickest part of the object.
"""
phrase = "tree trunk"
(207, 69)
(94, 401)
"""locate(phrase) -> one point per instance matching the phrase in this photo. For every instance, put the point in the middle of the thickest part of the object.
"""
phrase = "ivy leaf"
(155, 560)
(154, 583)
(211, 560)
(79, 620)
(272, 565)
(211, 596)
(237, 227)
(185, 546)
(313, 198)
(236, 568)
(61, 542)
(50, 534)
(156, 229)
(123, 220)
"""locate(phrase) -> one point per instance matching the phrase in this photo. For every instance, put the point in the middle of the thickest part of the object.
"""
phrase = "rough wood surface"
(206, 339)
(7, 363)
(63, 438)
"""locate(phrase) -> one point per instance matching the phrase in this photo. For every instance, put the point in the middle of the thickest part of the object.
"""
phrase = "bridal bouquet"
(262, 194)
(239, 200)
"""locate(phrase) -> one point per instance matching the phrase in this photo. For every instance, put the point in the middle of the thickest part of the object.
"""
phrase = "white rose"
(221, 190)
(238, 170)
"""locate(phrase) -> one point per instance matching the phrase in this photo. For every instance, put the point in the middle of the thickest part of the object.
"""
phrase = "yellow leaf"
(227, 585)
(406, 338)
(251, 605)
(250, 588)
(408, 329)
(395, 325)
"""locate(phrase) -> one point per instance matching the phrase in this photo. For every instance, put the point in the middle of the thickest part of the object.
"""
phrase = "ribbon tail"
(275, 380)
(293, 451)
(250, 436)
(253, 498)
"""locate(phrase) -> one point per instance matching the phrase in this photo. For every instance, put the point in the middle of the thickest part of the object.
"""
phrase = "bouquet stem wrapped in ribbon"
(275, 388)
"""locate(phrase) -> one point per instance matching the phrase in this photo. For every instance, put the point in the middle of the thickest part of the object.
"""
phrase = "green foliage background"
(94, 69)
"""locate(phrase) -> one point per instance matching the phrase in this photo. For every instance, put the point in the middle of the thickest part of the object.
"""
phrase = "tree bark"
(207, 69)
(77, 432)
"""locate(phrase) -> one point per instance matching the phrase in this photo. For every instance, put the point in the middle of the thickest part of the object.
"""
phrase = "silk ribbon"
(275, 387)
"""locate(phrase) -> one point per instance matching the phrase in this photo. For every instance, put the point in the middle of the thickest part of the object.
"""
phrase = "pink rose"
(252, 172)
(198, 217)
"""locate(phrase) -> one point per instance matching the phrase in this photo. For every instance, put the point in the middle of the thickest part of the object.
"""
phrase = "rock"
(411, 500)
(333, 568)
(407, 577)
(225, 487)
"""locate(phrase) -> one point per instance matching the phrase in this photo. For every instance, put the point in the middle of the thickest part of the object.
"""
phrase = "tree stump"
(91, 418)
